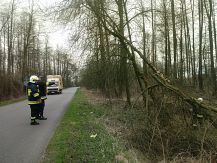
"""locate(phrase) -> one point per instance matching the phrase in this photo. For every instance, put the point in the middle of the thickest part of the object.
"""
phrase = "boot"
(34, 123)
(42, 118)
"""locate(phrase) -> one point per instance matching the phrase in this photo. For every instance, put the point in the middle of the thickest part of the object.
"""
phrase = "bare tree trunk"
(181, 53)
(209, 16)
(168, 59)
(153, 26)
(124, 81)
(214, 30)
(200, 73)
(174, 40)
(193, 42)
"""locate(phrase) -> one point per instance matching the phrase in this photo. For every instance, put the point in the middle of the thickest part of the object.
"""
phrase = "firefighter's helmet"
(33, 79)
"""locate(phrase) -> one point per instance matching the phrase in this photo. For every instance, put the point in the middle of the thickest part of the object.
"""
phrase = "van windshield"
(53, 84)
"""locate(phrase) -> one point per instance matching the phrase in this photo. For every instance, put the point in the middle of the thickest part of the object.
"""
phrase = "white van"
(54, 84)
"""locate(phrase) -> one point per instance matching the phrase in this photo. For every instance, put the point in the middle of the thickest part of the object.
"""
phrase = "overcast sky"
(58, 35)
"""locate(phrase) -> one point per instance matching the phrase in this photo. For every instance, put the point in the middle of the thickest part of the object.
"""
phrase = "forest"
(25, 50)
(158, 57)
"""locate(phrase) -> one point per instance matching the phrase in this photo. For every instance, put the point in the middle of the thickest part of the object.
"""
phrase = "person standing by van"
(34, 98)
(42, 90)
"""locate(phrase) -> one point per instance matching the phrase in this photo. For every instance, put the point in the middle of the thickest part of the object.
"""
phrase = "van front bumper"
(52, 90)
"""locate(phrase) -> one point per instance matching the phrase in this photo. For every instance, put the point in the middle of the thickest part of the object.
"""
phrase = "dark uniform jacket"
(33, 93)
(42, 89)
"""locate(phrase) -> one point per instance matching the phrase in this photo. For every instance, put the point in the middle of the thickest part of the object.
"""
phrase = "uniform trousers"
(34, 110)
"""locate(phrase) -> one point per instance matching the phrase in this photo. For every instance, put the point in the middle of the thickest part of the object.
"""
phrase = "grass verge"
(80, 137)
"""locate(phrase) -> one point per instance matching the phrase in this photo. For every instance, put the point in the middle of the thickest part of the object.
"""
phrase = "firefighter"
(42, 90)
(34, 98)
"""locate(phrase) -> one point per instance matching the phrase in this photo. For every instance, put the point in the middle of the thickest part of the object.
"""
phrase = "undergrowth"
(165, 131)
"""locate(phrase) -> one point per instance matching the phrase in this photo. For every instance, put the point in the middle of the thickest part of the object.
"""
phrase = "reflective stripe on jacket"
(36, 94)
(33, 102)
(43, 97)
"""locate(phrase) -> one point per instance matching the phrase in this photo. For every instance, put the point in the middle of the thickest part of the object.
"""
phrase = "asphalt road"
(19, 141)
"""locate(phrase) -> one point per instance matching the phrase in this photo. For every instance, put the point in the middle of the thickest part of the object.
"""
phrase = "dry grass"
(164, 134)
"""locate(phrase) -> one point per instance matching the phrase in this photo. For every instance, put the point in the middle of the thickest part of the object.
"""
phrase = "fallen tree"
(198, 107)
